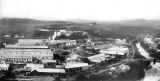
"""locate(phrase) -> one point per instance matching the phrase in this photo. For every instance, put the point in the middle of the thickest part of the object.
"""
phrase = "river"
(152, 74)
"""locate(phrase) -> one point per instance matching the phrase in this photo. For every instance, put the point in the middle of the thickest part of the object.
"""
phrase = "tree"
(9, 74)
(34, 73)
(81, 77)
(57, 78)
(158, 46)
(152, 52)
(86, 60)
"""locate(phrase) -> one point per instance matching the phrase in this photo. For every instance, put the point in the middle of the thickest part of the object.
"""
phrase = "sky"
(108, 10)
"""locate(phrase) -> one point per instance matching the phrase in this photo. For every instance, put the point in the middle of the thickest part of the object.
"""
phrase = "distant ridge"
(115, 29)
(81, 20)
(134, 22)
(141, 22)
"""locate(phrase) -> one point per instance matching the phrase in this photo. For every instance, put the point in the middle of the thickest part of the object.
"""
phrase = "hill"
(141, 22)
(134, 22)
(119, 29)
(23, 26)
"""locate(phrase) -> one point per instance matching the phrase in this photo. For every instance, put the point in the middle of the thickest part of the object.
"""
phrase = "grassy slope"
(26, 27)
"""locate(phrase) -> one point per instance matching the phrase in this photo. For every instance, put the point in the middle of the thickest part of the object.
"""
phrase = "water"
(142, 51)
(152, 74)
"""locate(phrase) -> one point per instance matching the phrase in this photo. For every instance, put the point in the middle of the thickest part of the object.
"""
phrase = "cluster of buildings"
(27, 51)
(65, 32)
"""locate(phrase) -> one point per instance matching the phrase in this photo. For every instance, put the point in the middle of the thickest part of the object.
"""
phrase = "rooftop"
(4, 66)
(75, 64)
(112, 52)
(30, 39)
(27, 50)
(50, 61)
(99, 57)
(17, 46)
(50, 70)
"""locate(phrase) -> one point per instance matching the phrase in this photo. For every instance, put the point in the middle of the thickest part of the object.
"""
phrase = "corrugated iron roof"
(50, 70)
(75, 64)
(17, 46)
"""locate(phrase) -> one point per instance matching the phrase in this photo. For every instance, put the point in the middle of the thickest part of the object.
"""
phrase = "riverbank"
(152, 74)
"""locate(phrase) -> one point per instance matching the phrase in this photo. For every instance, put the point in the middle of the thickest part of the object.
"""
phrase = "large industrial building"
(24, 53)
(32, 42)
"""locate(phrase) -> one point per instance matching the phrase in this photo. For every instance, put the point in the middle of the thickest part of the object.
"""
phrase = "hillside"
(134, 22)
(141, 22)
(13, 26)
(27, 27)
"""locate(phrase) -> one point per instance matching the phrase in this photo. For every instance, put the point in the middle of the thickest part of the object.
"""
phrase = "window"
(80, 68)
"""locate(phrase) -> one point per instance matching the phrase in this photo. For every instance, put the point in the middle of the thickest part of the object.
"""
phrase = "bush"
(81, 77)
(144, 45)
(34, 73)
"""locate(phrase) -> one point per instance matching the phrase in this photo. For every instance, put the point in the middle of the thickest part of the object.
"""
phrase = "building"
(7, 36)
(122, 50)
(60, 32)
(3, 66)
(73, 58)
(100, 57)
(64, 42)
(48, 61)
(119, 41)
(81, 42)
(25, 47)
(74, 63)
(18, 53)
(59, 72)
(75, 67)
(44, 30)
(34, 66)
(32, 42)
(148, 40)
